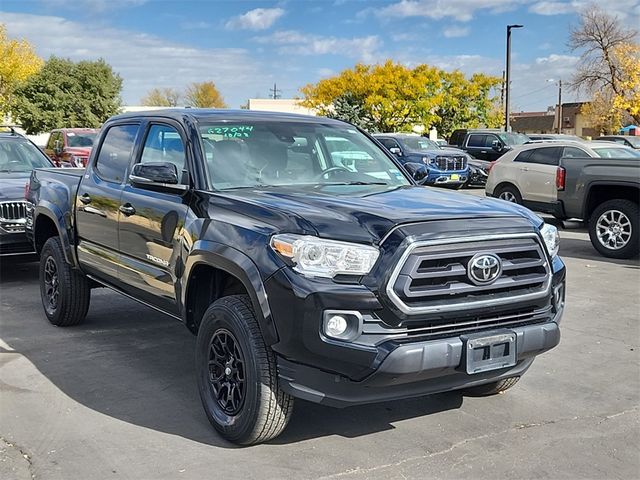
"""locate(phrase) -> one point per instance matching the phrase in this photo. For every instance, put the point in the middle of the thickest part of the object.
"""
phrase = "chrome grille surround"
(458, 162)
(529, 278)
(13, 216)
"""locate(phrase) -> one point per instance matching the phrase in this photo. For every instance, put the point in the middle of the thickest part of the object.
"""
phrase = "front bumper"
(15, 244)
(445, 178)
(413, 369)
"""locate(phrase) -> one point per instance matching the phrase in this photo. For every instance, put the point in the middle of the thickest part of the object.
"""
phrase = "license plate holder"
(455, 176)
(490, 352)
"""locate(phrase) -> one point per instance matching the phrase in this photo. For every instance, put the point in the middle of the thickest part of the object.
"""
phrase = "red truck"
(70, 147)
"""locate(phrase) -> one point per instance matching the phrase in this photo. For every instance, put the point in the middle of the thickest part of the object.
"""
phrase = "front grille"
(375, 331)
(451, 163)
(432, 276)
(13, 211)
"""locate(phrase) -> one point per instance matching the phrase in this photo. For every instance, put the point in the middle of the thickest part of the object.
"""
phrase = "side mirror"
(156, 175)
(57, 148)
(396, 151)
(496, 145)
(418, 171)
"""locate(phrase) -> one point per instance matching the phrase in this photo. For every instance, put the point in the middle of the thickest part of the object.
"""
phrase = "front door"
(151, 224)
(98, 200)
(476, 146)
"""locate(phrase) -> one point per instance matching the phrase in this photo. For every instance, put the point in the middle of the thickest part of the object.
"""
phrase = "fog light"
(336, 326)
(342, 325)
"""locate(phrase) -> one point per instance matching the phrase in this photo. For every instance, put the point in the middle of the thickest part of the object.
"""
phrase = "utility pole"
(560, 106)
(507, 112)
(275, 93)
(502, 93)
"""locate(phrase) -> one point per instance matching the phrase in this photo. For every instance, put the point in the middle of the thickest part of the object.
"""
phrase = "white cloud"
(461, 10)
(298, 43)
(143, 61)
(256, 19)
(325, 72)
(628, 10)
(456, 31)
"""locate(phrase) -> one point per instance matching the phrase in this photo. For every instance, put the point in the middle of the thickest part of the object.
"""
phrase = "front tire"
(492, 388)
(65, 292)
(509, 193)
(614, 229)
(237, 375)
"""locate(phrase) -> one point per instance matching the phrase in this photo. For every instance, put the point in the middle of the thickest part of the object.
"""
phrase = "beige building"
(282, 105)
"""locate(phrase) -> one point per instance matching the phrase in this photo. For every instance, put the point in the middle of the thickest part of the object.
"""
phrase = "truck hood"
(364, 213)
(12, 186)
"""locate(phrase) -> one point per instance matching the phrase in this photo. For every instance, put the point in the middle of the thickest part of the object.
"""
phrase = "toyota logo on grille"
(484, 268)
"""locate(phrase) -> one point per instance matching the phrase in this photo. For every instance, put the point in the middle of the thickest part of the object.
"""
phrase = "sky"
(247, 46)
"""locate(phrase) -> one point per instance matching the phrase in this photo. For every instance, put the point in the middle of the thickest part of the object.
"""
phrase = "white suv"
(529, 174)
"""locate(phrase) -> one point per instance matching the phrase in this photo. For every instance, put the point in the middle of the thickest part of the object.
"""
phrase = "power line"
(532, 92)
(274, 93)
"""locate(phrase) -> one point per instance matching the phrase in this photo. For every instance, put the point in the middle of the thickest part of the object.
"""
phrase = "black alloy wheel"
(226, 371)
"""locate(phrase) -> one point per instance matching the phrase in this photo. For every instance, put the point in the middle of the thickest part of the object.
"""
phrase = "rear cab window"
(115, 152)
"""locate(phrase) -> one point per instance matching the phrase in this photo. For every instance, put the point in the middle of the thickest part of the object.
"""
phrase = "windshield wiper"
(351, 183)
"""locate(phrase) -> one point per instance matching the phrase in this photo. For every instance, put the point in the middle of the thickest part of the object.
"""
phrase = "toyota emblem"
(484, 268)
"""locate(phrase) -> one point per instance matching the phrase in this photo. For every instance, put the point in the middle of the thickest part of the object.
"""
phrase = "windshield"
(616, 152)
(635, 141)
(84, 139)
(19, 156)
(418, 143)
(513, 138)
(274, 154)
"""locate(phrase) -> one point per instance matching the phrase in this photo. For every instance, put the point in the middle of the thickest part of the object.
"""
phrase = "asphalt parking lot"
(117, 398)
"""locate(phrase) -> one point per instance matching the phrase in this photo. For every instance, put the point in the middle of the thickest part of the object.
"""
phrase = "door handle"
(127, 209)
(525, 169)
(85, 198)
(483, 151)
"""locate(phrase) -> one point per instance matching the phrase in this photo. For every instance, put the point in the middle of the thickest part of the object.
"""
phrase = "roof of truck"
(227, 114)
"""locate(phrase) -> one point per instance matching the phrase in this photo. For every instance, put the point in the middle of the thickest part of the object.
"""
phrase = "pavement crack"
(22, 452)
(521, 426)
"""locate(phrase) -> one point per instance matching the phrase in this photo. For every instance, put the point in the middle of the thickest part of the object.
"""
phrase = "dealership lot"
(116, 398)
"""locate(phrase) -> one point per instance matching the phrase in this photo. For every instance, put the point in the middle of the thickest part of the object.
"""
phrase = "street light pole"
(560, 106)
(507, 112)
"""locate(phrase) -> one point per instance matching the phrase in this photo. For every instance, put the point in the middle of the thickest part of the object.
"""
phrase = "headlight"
(316, 257)
(551, 238)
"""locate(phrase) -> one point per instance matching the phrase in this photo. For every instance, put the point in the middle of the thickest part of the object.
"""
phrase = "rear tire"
(614, 229)
(509, 193)
(65, 292)
(491, 388)
(237, 374)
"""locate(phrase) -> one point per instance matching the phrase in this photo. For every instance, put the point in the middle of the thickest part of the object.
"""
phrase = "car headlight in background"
(551, 238)
(316, 257)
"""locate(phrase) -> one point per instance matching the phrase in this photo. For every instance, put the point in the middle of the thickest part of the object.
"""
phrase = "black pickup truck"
(304, 270)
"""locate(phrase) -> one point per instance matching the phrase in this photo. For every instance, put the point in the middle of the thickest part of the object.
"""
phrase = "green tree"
(350, 108)
(204, 95)
(68, 94)
(161, 97)
(18, 62)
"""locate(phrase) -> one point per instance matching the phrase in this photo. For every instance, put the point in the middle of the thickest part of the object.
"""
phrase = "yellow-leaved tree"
(627, 58)
(392, 97)
(18, 61)
(204, 95)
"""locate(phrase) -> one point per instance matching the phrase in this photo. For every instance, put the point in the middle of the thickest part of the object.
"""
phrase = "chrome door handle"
(127, 209)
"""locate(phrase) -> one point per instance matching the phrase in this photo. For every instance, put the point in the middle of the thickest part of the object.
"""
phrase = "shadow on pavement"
(583, 249)
(131, 363)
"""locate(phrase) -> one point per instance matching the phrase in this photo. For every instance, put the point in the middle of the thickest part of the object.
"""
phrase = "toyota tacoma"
(304, 258)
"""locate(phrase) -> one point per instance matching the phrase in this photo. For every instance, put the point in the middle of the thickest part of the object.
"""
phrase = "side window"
(523, 156)
(574, 152)
(389, 143)
(163, 144)
(488, 142)
(546, 156)
(52, 141)
(115, 152)
(476, 141)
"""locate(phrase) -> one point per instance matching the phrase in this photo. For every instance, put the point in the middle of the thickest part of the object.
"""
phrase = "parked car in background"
(627, 140)
(18, 157)
(530, 174)
(441, 142)
(604, 192)
(478, 173)
(486, 144)
(439, 166)
(70, 147)
(553, 136)
(301, 276)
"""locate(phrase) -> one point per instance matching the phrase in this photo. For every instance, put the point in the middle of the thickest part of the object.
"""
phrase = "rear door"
(151, 222)
(538, 168)
(98, 200)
